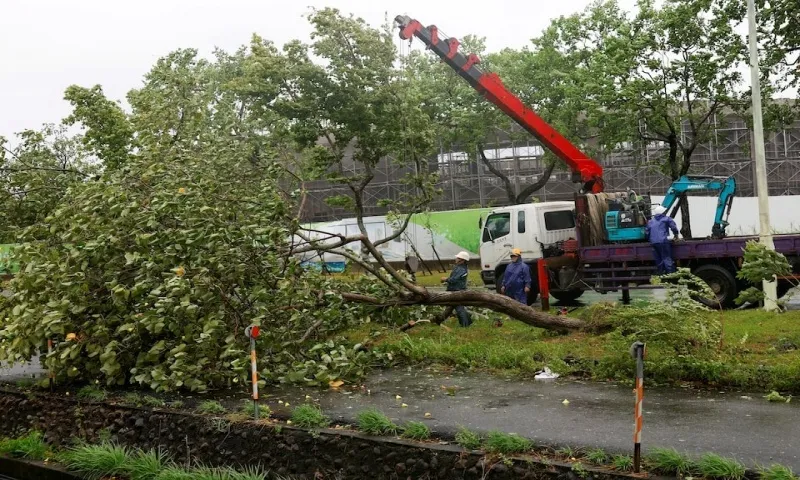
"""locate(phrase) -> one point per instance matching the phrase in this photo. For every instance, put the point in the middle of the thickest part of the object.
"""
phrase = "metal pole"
(52, 373)
(765, 234)
(637, 351)
(254, 372)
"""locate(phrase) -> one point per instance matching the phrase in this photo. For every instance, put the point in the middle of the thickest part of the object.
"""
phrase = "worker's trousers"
(662, 255)
(464, 318)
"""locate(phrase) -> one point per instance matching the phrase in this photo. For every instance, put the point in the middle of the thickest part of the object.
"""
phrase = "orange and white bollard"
(637, 352)
(252, 332)
(52, 373)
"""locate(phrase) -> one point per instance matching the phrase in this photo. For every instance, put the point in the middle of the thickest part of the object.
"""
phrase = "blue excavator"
(627, 216)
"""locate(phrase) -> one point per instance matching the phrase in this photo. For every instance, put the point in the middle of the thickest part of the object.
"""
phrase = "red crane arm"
(584, 169)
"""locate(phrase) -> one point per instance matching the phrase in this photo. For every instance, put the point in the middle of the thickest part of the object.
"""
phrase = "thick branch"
(535, 187)
(315, 244)
(396, 233)
(512, 194)
(472, 298)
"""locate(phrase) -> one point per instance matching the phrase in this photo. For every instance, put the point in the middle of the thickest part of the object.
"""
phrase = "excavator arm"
(584, 169)
(725, 186)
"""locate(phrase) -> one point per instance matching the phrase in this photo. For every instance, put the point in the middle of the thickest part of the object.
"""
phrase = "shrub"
(597, 456)
(211, 407)
(91, 393)
(309, 416)
(623, 463)
(776, 472)
(715, 466)
(96, 461)
(249, 409)
(507, 443)
(374, 422)
(153, 401)
(670, 462)
(30, 446)
(416, 431)
(145, 465)
(468, 439)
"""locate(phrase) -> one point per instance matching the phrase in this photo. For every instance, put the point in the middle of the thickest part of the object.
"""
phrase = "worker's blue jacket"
(516, 277)
(657, 230)
(458, 278)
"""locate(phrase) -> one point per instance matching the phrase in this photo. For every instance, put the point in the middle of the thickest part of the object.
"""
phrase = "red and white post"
(52, 373)
(637, 352)
(544, 284)
(252, 332)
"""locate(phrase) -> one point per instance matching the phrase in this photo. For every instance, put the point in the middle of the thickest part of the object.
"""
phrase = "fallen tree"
(408, 294)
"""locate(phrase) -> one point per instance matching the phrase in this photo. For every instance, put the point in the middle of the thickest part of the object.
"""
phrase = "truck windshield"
(497, 225)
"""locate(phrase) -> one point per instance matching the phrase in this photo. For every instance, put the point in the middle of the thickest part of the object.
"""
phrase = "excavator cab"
(627, 217)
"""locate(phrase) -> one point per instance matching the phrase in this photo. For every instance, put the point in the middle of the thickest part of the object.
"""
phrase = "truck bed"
(686, 250)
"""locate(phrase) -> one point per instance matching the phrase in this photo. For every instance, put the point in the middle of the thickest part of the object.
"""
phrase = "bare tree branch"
(510, 191)
(536, 186)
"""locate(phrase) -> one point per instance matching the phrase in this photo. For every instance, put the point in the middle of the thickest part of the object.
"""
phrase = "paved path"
(598, 414)
(19, 372)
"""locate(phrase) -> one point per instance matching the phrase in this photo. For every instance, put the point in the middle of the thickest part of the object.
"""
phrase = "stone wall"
(328, 453)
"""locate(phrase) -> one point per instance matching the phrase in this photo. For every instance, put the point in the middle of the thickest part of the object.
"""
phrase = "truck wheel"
(722, 283)
(567, 295)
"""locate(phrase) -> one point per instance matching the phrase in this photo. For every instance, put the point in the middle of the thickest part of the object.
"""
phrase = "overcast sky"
(47, 45)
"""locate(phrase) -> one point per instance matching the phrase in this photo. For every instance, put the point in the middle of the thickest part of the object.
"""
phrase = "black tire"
(722, 283)
(566, 296)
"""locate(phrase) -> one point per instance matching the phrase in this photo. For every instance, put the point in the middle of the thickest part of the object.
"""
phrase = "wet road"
(597, 415)
(729, 423)
(19, 372)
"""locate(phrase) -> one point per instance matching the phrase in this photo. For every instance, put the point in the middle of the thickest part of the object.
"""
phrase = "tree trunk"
(535, 187)
(686, 227)
(473, 298)
(675, 173)
(510, 190)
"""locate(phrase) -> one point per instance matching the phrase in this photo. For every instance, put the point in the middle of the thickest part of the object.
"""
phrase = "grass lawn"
(759, 351)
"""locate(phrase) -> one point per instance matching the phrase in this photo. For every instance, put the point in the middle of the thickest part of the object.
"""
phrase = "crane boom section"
(489, 85)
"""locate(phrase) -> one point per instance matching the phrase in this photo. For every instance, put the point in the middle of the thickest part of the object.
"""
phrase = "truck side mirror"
(480, 223)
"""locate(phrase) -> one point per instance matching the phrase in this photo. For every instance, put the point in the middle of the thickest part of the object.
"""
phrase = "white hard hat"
(463, 256)
(659, 210)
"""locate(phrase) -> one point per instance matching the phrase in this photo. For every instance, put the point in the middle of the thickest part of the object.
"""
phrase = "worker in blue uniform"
(657, 233)
(517, 278)
(457, 281)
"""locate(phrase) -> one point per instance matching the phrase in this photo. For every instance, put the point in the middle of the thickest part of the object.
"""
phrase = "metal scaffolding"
(467, 183)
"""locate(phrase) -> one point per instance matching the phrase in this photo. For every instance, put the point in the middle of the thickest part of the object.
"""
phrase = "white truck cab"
(527, 227)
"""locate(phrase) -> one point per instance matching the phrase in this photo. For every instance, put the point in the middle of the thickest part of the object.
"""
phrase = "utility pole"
(765, 236)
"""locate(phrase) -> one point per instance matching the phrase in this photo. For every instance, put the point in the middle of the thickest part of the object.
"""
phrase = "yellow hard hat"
(516, 252)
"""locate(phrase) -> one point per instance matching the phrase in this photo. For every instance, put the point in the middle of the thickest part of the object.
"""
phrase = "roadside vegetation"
(752, 350)
(110, 460)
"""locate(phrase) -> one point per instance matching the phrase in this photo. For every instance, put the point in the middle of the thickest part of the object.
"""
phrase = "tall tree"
(109, 134)
(36, 174)
(660, 76)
